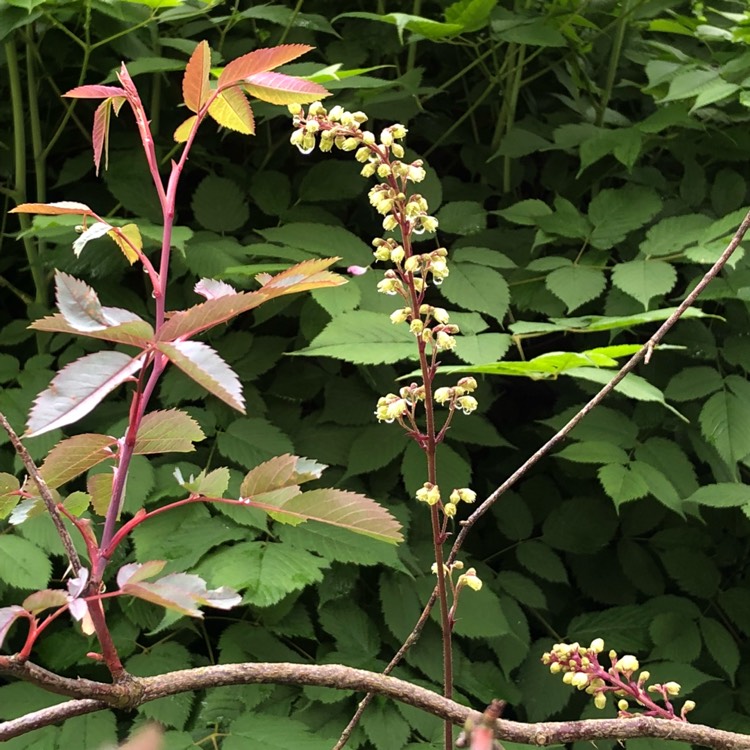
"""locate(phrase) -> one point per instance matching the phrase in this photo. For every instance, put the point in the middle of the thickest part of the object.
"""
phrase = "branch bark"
(347, 678)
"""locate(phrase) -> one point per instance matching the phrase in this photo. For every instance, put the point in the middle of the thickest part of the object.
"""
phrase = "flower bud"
(416, 326)
(580, 680)
(362, 154)
(449, 509)
(468, 404)
(397, 150)
(627, 663)
(597, 645)
(443, 394)
(368, 137)
(316, 108)
(383, 170)
(400, 316)
(368, 170)
(386, 137)
(672, 688)
(687, 706)
(429, 493)
(348, 144)
(470, 579)
(397, 254)
(623, 705)
(390, 223)
(336, 112)
(441, 315)
(600, 700)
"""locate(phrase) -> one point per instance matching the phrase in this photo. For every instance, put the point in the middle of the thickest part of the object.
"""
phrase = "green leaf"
(23, 564)
(480, 614)
(725, 423)
(675, 637)
(384, 726)
(531, 30)
(425, 27)
(644, 279)
(721, 645)
(363, 337)
(625, 628)
(339, 545)
(9, 485)
(695, 572)
(617, 212)
(526, 212)
(575, 285)
(95, 730)
(323, 240)
(219, 204)
(721, 495)
(479, 288)
(594, 452)
(632, 386)
(673, 234)
(621, 483)
(486, 347)
(251, 440)
(73, 456)
(452, 469)
(174, 710)
(274, 732)
(167, 431)
(541, 560)
(265, 572)
(462, 217)
(370, 452)
(693, 382)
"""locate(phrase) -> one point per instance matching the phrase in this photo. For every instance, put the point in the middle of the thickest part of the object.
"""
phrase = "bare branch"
(630, 365)
(346, 678)
(44, 491)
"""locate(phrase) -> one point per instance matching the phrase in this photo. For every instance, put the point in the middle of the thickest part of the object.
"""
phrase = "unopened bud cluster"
(580, 668)
(429, 493)
(469, 578)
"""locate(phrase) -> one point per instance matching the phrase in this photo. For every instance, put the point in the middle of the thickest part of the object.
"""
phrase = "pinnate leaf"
(195, 82)
(231, 110)
(721, 495)
(45, 599)
(167, 431)
(204, 365)
(94, 232)
(100, 129)
(479, 288)
(183, 130)
(725, 423)
(23, 564)
(259, 61)
(280, 472)
(78, 388)
(95, 92)
(621, 483)
(576, 285)
(128, 239)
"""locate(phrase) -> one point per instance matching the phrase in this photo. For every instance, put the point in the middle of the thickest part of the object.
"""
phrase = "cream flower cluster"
(580, 668)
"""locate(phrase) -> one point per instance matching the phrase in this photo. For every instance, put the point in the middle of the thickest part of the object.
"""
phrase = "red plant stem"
(36, 630)
(109, 652)
(84, 531)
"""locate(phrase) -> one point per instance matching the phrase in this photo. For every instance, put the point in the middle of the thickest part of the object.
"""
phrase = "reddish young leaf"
(278, 472)
(100, 129)
(182, 133)
(79, 303)
(204, 365)
(232, 110)
(78, 388)
(213, 289)
(195, 82)
(95, 92)
(41, 600)
(278, 88)
(53, 209)
(309, 274)
(135, 332)
(259, 61)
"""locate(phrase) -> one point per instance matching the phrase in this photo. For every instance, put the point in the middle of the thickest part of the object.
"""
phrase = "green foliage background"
(586, 159)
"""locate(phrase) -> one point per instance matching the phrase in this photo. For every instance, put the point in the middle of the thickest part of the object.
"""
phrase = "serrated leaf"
(219, 204)
(621, 483)
(321, 239)
(128, 239)
(53, 209)
(79, 304)
(721, 495)
(100, 130)
(204, 365)
(725, 423)
(280, 472)
(272, 732)
(369, 451)
(363, 337)
(542, 560)
(23, 564)
(9, 486)
(594, 452)
(575, 285)
(183, 130)
(644, 279)
(348, 510)
(277, 88)
(384, 726)
(693, 382)
(721, 645)
(231, 110)
(259, 61)
(479, 288)
(195, 82)
(73, 456)
(77, 503)
(673, 234)
(617, 212)
(78, 388)
(250, 441)
(213, 289)
(167, 431)
(95, 92)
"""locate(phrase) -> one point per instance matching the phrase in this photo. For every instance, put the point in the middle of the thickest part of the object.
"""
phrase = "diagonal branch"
(347, 678)
(44, 491)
